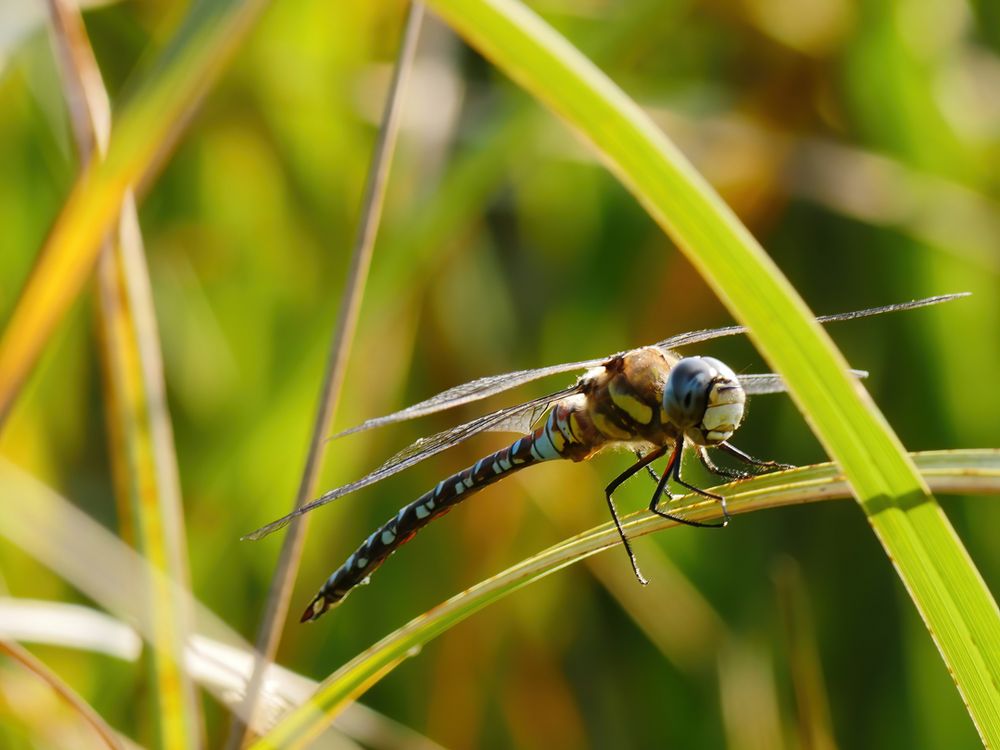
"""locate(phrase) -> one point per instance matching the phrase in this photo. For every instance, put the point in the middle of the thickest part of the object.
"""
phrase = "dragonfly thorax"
(703, 397)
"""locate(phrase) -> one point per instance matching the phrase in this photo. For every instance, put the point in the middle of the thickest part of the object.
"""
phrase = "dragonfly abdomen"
(549, 442)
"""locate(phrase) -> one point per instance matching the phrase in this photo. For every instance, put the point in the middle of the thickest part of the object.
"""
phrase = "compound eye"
(685, 396)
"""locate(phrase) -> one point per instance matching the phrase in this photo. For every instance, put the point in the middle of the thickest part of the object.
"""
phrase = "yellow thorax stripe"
(609, 428)
(628, 403)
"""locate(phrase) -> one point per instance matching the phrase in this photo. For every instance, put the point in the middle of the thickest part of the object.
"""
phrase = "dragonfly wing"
(695, 337)
(425, 448)
(524, 420)
(756, 385)
(493, 384)
(471, 391)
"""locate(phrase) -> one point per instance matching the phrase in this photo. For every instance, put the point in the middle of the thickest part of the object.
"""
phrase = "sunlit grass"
(145, 131)
(965, 472)
(941, 579)
(30, 670)
(139, 428)
(945, 586)
(94, 561)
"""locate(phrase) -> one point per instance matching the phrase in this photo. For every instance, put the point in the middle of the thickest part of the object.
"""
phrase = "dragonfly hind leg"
(674, 470)
(643, 462)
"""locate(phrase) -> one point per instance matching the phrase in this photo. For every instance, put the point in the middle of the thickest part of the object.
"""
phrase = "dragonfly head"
(705, 399)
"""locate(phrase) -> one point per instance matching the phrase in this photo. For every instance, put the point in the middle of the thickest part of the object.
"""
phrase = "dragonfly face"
(705, 399)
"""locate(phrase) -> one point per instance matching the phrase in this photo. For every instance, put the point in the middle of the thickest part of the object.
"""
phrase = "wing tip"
(938, 299)
(264, 531)
(350, 431)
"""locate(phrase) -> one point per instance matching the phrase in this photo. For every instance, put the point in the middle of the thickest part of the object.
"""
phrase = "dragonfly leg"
(609, 491)
(735, 452)
(649, 467)
(674, 470)
(719, 471)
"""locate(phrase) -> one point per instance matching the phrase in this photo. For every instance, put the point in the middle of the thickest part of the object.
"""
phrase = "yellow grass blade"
(145, 132)
(145, 466)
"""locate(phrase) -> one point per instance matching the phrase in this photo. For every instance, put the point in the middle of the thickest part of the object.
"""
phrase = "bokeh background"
(859, 142)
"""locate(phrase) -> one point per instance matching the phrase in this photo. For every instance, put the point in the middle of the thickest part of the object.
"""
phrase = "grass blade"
(279, 595)
(223, 668)
(145, 131)
(87, 716)
(55, 532)
(812, 705)
(145, 466)
(959, 472)
(948, 591)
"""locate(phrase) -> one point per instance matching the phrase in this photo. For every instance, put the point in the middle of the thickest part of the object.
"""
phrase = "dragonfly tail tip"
(317, 607)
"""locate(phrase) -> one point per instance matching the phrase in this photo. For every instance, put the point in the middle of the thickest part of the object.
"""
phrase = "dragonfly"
(651, 400)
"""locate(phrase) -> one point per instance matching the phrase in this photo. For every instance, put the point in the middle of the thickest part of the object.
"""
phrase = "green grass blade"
(964, 472)
(948, 591)
(145, 131)
(141, 436)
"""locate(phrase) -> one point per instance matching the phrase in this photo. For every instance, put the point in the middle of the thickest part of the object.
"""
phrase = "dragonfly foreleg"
(644, 461)
(674, 470)
(735, 452)
(719, 471)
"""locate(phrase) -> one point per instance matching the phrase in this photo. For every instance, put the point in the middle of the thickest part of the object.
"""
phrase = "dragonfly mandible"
(650, 400)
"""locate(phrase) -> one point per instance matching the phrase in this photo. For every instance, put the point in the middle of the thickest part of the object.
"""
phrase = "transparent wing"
(524, 420)
(520, 418)
(491, 385)
(695, 337)
(472, 391)
(511, 418)
(756, 385)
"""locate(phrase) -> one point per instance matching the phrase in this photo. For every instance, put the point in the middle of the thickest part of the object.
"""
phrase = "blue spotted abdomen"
(553, 440)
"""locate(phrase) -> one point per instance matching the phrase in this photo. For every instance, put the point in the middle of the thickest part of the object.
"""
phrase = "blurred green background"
(859, 143)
